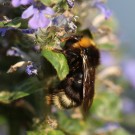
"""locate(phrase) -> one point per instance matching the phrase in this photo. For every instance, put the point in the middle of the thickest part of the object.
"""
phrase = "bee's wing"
(88, 82)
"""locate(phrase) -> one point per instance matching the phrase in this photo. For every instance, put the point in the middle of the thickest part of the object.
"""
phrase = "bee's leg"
(59, 51)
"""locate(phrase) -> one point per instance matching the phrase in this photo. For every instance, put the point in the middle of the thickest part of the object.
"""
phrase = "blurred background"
(124, 12)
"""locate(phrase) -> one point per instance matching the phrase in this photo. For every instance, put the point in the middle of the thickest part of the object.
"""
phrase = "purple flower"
(28, 31)
(70, 3)
(106, 58)
(128, 68)
(99, 4)
(39, 15)
(17, 3)
(128, 106)
(13, 52)
(109, 127)
(4, 30)
(31, 69)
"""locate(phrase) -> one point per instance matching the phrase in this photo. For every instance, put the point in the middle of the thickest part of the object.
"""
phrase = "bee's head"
(71, 41)
(77, 42)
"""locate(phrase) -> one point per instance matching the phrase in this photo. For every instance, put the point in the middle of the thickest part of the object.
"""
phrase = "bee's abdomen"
(62, 101)
(68, 94)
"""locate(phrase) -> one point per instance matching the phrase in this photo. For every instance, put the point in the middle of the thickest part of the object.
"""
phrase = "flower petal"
(128, 71)
(3, 31)
(27, 31)
(43, 21)
(16, 3)
(48, 11)
(26, 2)
(70, 3)
(28, 12)
(104, 10)
(101, 6)
(38, 20)
(33, 22)
(31, 69)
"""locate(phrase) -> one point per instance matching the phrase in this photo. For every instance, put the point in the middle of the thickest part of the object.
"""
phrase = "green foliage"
(104, 104)
(49, 2)
(37, 133)
(121, 131)
(43, 132)
(107, 46)
(70, 125)
(15, 23)
(55, 132)
(24, 89)
(58, 61)
(60, 5)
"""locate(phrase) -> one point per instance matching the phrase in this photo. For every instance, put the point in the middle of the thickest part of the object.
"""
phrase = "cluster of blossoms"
(40, 15)
(99, 4)
(31, 69)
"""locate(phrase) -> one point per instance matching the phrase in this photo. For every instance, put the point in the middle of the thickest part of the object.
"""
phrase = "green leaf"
(5, 96)
(46, 2)
(70, 125)
(58, 61)
(107, 46)
(24, 89)
(42, 132)
(3, 120)
(49, 2)
(121, 131)
(27, 88)
(2, 24)
(55, 132)
(16, 23)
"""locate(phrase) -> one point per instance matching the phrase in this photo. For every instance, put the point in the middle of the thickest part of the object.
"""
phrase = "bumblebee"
(78, 87)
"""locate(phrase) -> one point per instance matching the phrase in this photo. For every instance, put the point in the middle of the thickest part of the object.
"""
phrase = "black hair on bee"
(78, 87)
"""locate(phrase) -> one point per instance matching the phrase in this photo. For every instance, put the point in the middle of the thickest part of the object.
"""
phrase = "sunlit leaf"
(55, 132)
(5, 96)
(49, 2)
(16, 23)
(58, 61)
(42, 132)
